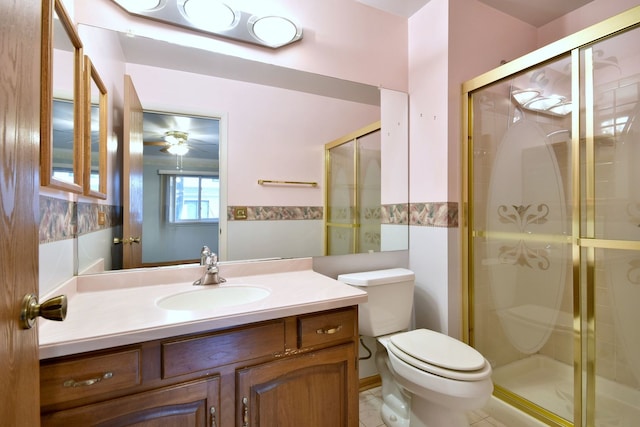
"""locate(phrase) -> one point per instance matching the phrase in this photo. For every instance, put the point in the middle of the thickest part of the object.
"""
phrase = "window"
(193, 198)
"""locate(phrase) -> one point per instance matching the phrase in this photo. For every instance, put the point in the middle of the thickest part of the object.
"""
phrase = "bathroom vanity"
(289, 359)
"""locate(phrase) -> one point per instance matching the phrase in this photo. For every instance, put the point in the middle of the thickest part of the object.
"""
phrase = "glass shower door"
(341, 201)
(521, 217)
(553, 232)
(611, 224)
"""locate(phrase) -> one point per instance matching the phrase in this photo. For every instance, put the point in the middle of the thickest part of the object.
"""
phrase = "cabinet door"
(316, 389)
(189, 404)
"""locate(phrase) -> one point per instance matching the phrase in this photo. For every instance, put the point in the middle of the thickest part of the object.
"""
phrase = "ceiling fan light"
(175, 136)
(178, 149)
(171, 139)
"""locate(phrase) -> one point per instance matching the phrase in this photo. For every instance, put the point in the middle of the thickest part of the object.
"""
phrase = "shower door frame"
(583, 241)
(354, 225)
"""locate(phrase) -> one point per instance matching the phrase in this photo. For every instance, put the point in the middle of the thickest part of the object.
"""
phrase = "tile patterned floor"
(370, 401)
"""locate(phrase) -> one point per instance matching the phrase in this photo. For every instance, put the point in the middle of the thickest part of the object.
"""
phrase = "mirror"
(180, 179)
(61, 134)
(95, 133)
(262, 106)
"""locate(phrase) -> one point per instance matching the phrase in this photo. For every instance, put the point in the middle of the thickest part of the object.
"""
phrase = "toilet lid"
(438, 349)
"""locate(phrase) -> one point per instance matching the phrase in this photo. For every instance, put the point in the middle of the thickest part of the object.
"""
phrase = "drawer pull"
(86, 383)
(245, 412)
(328, 331)
(213, 416)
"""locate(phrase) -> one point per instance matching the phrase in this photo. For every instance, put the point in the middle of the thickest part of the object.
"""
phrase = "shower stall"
(552, 226)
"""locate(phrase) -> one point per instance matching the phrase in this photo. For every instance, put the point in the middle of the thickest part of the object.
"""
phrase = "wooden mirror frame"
(91, 78)
(46, 103)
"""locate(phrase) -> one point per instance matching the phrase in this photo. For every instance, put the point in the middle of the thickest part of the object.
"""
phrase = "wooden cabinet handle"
(89, 382)
(328, 331)
(245, 412)
(212, 411)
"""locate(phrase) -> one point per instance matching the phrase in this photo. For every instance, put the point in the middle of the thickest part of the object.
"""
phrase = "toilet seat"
(439, 354)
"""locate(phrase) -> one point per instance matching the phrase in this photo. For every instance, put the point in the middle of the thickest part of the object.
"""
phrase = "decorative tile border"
(394, 214)
(88, 217)
(57, 219)
(277, 213)
(430, 214)
(434, 214)
(63, 219)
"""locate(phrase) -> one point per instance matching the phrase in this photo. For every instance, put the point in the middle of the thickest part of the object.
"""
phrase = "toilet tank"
(389, 300)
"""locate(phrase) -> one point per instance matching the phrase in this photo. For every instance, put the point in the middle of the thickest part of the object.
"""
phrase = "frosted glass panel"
(522, 283)
(369, 192)
(615, 71)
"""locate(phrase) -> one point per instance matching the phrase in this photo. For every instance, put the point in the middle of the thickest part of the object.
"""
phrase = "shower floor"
(549, 384)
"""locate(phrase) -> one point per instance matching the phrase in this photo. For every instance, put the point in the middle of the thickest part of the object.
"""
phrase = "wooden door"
(312, 390)
(132, 177)
(20, 22)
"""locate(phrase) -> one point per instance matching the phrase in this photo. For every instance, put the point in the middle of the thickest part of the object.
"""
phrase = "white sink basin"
(214, 297)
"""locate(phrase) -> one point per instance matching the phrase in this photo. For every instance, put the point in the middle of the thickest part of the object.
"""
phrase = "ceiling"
(534, 12)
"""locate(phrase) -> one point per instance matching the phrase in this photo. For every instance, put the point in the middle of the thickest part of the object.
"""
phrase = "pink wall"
(273, 133)
(343, 39)
(428, 70)
(451, 41)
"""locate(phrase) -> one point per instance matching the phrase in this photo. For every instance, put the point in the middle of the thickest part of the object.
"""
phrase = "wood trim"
(369, 383)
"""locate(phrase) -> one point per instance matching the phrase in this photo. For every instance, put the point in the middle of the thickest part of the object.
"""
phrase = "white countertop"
(119, 308)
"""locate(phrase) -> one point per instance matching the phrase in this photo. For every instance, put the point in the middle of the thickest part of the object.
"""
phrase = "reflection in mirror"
(353, 189)
(95, 129)
(61, 77)
(181, 182)
(273, 109)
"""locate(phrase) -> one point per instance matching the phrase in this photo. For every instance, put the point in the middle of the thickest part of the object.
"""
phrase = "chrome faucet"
(211, 275)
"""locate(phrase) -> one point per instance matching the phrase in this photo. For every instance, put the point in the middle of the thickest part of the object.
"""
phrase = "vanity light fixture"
(209, 15)
(219, 19)
(525, 95)
(273, 30)
(534, 100)
(544, 103)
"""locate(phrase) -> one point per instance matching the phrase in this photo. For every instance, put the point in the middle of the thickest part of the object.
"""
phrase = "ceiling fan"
(174, 142)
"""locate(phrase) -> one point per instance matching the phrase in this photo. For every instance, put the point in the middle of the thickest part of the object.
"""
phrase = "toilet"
(428, 379)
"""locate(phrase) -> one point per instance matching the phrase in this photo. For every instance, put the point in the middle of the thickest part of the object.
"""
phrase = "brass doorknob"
(52, 309)
(130, 240)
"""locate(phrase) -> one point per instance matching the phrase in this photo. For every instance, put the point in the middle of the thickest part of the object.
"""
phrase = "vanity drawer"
(194, 354)
(327, 328)
(89, 376)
